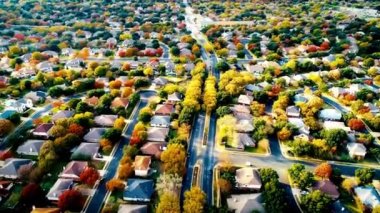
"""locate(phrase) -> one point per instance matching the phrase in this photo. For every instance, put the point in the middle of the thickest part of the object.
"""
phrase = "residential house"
(142, 165)
(244, 126)
(20, 105)
(45, 66)
(67, 52)
(245, 100)
(372, 108)
(6, 114)
(94, 135)
(73, 169)
(157, 134)
(189, 66)
(153, 148)
(132, 208)
(58, 188)
(62, 114)
(244, 141)
(254, 68)
(174, 97)
(240, 109)
(85, 151)
(119, 102)
(160, 121)
(246, 203)
(30, 147)
(300, 98)
(328, 188)
(160, 81)
(75, 64)
(335, 125)
(11, 167)
(248, 178)
(293, 111)
(330, 114)
(356, 150)
(252, 88)
(43, 130)
(36, 96)
(164, 109)
(298, 122)
(337, 91)
(138, 190)
(368, 196)
(105, 120)
(50, 53)
(93, 101)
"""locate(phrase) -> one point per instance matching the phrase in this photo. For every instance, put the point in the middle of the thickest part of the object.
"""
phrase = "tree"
(57, 131)
(100, 71)
(222, 111)
(125, 171)
(284, 134)
(274, 197)
(168, 183)
(169, 202)
(323, 170)
(195, 199)
(89, 176)
(356, 124)
(225, 186)
(209, 98)
(148, 71)
(115, 184)
(32, 194)
(76, 129)
(315, 202)
(112, 134)
(119, 123)
(267, 175)
(334, 137)
(305, 180)
(130, 150)
(5, 126)
(70, 200)
(365, 175)
(348, 184)
(257, 108)
(174, 158)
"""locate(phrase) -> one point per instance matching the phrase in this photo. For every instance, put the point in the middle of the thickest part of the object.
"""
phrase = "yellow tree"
(195, 200)
(174, 158)
(169, 203)
(119, 123)
(209, 98)
(148, 71)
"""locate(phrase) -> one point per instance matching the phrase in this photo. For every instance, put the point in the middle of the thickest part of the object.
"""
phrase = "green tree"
(365, 175)
(315, 202)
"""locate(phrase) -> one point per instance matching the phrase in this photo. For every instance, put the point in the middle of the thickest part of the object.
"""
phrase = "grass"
(98, 164)
(13, 199)
(173, 79)
(49, 180)
(258, 150)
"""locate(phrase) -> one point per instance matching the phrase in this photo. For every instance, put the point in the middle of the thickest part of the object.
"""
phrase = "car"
(248, 163)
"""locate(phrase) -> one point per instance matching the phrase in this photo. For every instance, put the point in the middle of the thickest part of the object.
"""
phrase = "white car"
(248, 163)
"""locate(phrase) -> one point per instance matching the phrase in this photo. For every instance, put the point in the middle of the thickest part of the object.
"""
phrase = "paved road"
(98, 199)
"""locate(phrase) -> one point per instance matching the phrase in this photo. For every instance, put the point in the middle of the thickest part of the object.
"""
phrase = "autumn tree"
(195, 199)
(32, 194)
(169, 202)
(349, 184)
(323, 170)
(5, 126)
(89, 176)
(115, 184)
(315, 202)
(174, 158)
(225, 186)
(356, 124)
(70, 200)
(257, 108)
(119, 123)
(76, 129)
(125, 171)
(57, 131)
(284, 134)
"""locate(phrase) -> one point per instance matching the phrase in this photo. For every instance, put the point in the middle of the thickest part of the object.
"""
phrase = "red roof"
(164, 109)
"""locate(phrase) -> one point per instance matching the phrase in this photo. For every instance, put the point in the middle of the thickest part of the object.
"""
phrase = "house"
(50, 53)
(153, 148)
(298, 122)
(244, 141)
(36, 96)
(328, 188)
(75, 64)
(335, 125)
(45, 66)
(138, 190)
(142, 165)
(245, 203)
(132, 208)
(12, 165)
(254, 68)
(67, 52)
(20, 105)
(337, 91)
(157, 134)
(245, 99)
(6, 114)
(105, 120)
(119, 102)
(93, 101)
(164, 109)
(94, 135)
(240, 109)
(330, 114)
(73, 169)
(252, 88)
(244, 126)
(356, 150)
(160, 81)
(62, 114)
(160, 121)
(85, 151)
(43, 130)
(372, 108)
(248, 178)
(293, 111)
(368, 196)
(30, 147)
(300, 98)
(58, 188)
(174, 97)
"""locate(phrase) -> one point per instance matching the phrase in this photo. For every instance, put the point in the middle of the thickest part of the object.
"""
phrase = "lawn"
(49, 180)
(258, 150)
(98, 164)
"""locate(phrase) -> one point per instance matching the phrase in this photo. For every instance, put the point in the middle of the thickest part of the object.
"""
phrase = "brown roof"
(327, 187)
(142, 162)
(44, 127)
(92, 101)
(119, 102)
(164, 109)
(153, 148)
